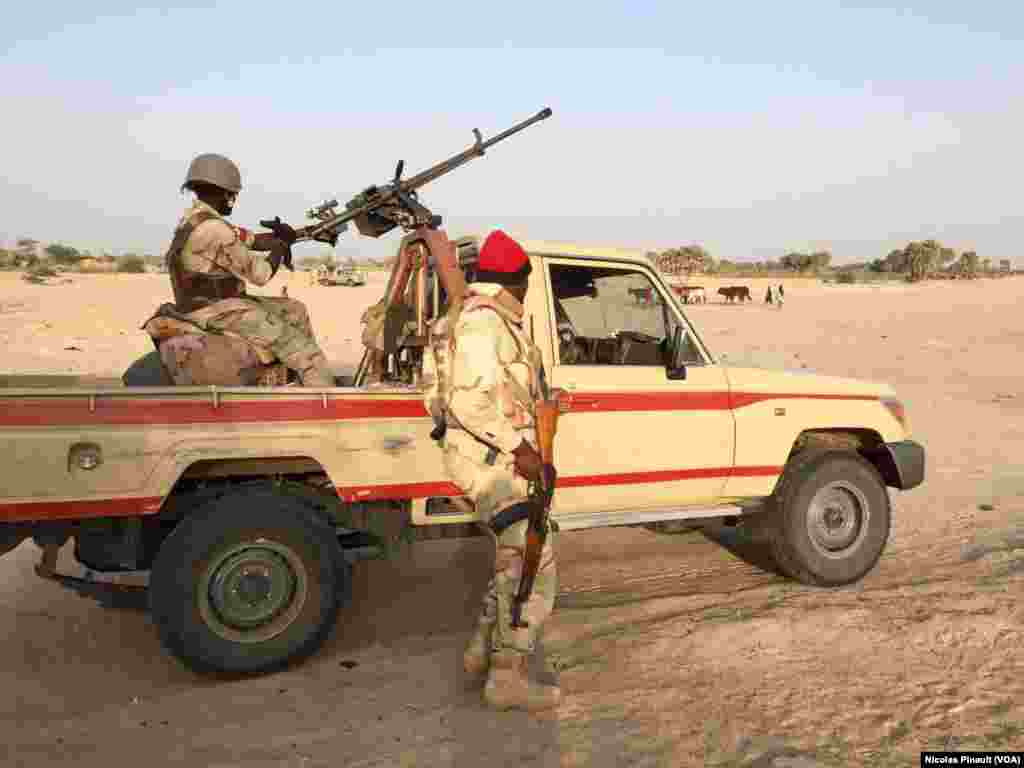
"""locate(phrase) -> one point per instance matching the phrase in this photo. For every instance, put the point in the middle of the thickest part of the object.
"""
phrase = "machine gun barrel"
(476, 150)
(397, 193)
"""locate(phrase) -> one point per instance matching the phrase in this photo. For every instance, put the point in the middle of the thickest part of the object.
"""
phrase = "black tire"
(829, 518)
(297, 577)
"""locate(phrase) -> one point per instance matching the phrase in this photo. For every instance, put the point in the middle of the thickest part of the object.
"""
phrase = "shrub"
(846, 277)
(131, 263)
(41, 270)
(38, 273)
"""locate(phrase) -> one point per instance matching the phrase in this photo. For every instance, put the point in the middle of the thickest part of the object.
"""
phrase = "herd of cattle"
(695, 294)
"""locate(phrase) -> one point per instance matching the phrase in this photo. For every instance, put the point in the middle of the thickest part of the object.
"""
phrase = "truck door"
(631, 438)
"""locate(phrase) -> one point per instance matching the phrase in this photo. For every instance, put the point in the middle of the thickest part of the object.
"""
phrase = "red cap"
(500, 253)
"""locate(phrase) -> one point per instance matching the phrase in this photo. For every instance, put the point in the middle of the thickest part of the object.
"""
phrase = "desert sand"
(672, 650)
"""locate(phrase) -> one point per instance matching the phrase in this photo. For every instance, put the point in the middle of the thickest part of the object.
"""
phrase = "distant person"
(780, 296)
(768, 295)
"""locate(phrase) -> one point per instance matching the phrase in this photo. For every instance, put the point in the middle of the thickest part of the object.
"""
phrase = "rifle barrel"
(542, 115)
(446, 166)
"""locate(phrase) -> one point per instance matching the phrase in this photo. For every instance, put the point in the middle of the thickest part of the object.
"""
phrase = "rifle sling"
(510, 516)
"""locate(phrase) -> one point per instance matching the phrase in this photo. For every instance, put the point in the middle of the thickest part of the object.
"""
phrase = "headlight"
(899, 412)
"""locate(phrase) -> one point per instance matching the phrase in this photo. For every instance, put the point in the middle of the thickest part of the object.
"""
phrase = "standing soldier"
(210, 260)
(489, 452)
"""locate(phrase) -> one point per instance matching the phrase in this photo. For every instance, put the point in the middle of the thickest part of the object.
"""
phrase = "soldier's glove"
(281, 230)
(280, 253)
(528, 462)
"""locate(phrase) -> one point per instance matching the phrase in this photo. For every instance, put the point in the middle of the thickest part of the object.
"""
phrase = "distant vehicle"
(349, 275)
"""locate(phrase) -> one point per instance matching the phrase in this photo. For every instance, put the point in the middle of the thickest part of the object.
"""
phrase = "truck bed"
(85, 447)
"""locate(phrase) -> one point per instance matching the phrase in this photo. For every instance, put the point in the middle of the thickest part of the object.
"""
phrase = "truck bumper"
(902, 464)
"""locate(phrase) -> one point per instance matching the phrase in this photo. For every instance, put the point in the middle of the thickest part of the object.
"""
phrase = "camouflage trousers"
(492, 489)
(278, 324)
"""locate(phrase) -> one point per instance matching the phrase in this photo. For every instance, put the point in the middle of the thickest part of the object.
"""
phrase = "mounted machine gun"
(426, 275)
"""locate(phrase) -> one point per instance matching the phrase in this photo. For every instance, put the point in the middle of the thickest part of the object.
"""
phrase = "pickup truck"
(245, 506)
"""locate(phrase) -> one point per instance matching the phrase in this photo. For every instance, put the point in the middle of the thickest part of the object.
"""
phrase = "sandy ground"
(672, 650)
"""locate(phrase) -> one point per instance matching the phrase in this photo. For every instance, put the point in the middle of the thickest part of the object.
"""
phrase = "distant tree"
(8, 259)
(683, 261)
(917, 258)
(131, 262)
(27, 250)
(969, 260)
(792, 261)
(62, 254)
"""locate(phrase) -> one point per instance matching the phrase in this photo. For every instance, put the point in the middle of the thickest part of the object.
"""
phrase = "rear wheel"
(829, 519)
(247, 583)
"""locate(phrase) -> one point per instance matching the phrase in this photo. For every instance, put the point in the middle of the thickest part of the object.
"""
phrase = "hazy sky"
(751, 127)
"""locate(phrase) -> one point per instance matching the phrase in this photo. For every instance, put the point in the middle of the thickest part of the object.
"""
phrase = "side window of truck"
(609, 316)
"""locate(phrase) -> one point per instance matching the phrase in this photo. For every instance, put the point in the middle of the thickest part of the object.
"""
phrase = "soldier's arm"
(218, 244)
(475, 368)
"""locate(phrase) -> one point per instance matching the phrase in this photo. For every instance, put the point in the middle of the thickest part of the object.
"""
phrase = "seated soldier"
(210, 260)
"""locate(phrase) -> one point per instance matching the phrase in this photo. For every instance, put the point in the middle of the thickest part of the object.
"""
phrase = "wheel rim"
(253, 591)
(837, 519)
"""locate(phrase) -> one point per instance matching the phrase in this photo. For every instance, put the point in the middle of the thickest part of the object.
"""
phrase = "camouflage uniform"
(494, 382)
(280, 325)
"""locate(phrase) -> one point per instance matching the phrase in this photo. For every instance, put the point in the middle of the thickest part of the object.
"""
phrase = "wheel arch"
(866, 442)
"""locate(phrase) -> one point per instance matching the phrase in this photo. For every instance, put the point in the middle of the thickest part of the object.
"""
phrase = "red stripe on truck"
(588, 402)
(115, 410)
(79, 510)
(133, 507)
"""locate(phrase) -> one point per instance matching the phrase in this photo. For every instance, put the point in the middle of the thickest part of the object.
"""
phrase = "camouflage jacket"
(493, 370)
(217, 246)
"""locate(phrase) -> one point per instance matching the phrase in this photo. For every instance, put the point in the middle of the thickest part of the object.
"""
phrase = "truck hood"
(743, 379)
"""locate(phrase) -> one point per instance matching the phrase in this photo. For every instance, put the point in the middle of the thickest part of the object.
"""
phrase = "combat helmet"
(214, 169)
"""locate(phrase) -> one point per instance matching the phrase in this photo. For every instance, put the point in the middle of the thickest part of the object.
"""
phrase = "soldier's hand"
(528, 462)
(280, 253)
(281, 230)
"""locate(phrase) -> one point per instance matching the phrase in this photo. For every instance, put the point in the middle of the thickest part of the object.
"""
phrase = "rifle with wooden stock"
(541, 493)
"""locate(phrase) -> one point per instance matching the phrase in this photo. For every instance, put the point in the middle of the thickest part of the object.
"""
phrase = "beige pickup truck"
(240, 502)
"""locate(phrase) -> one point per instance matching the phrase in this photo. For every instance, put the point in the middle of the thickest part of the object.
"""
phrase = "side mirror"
(676, 370)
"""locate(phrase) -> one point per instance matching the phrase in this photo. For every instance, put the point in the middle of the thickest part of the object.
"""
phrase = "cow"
(733, 292)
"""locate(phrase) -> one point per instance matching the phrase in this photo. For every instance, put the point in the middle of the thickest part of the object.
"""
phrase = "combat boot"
(509, 687)
(477, 657)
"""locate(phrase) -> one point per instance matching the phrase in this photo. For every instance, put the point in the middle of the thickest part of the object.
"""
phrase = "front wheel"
(830, 518)
(247, 583)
